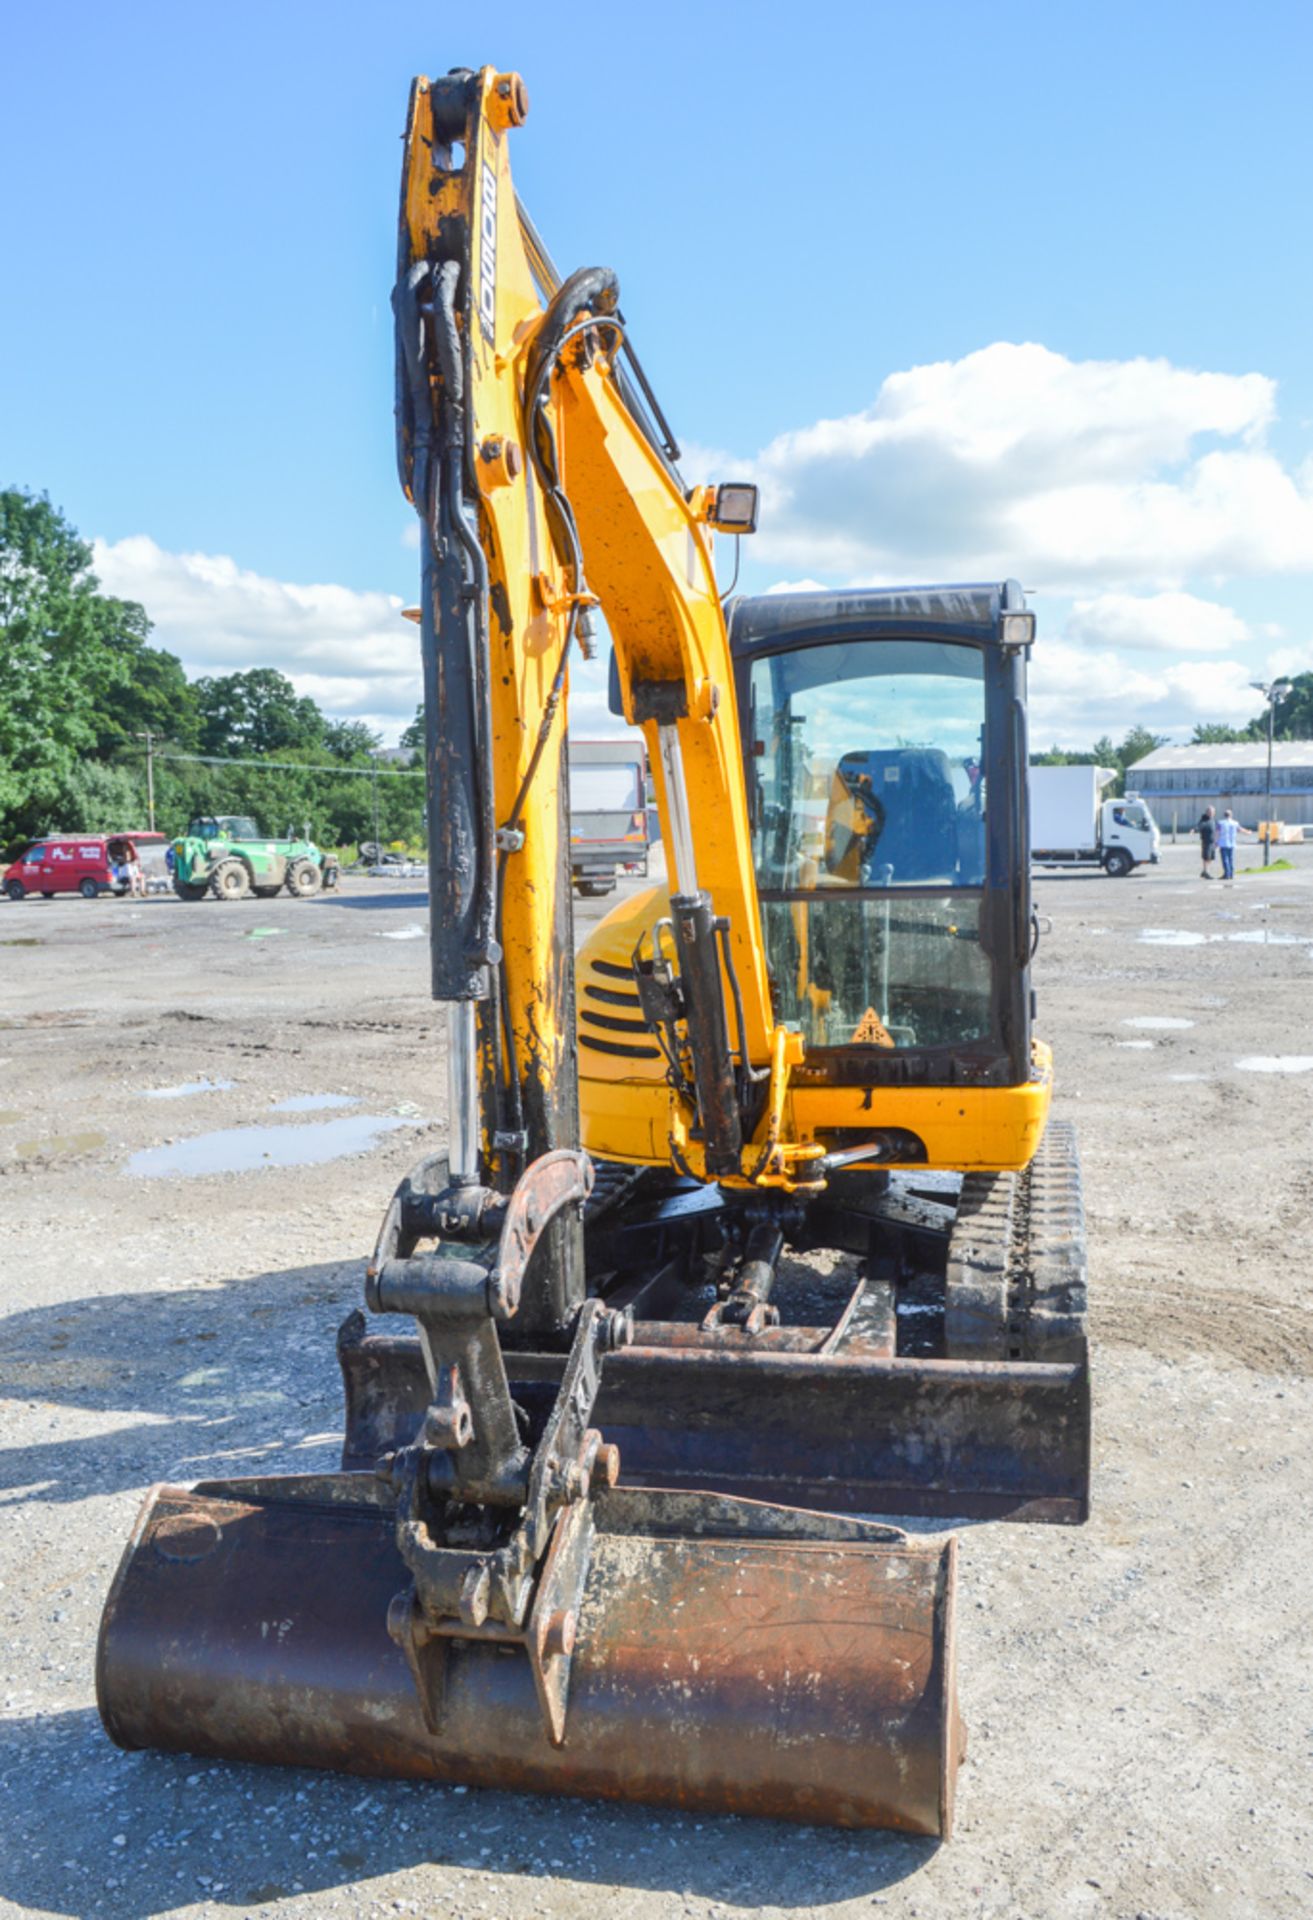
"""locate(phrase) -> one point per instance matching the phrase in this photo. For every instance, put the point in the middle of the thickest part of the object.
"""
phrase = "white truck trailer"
(1071, 825)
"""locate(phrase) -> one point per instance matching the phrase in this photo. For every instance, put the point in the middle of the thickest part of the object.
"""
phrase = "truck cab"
(224, 826)
(1128, 833)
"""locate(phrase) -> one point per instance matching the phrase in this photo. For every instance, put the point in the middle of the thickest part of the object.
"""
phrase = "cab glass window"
(865, 763)
(879, 971)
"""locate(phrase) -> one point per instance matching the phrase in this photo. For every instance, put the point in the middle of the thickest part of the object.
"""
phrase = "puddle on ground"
(263, 933)
(59, 1146)
(313, 1102)
(1252, 937)
(1136, 1046)
(1164, 1020)
(248, 1149)
(1185, 1079)
(8, 1115)
(1276, 1063)
(184, 1088)
(402, 933)
(28, 940)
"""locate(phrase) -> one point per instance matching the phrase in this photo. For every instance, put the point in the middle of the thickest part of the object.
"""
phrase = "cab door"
(35, 872)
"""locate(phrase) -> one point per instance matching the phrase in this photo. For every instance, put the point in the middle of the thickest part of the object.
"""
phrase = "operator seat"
(892, 808)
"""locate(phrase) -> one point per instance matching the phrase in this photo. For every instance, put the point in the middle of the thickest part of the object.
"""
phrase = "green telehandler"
(227, 855)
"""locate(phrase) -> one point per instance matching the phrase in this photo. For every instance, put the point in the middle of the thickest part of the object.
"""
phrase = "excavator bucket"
(727, 1656)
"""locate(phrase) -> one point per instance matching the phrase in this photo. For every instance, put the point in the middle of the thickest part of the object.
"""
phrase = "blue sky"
(1044, 271)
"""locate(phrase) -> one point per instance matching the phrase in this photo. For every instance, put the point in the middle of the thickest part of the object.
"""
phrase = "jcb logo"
(488, 253)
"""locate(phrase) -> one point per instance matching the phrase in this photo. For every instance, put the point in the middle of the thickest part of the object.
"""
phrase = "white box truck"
(608, 812)
(1071, 825)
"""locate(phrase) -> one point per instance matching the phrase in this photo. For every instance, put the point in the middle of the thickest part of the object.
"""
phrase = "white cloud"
(1017, 461)
(351, 651)
(1284, 662)
(1124, 486)
(1158, 622)
(1078, 692)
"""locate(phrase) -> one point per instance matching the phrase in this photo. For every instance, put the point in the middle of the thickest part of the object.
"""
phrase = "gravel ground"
(1138, 1691)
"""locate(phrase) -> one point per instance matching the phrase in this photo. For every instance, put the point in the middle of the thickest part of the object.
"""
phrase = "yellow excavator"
(752, 1232)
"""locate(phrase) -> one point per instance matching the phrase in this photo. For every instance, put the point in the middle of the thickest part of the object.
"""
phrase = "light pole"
(1272, 692)
(149, 738)
(378, 845)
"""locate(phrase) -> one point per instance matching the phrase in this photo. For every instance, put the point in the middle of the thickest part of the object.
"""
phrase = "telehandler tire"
(190, 889)
(230, 881)
(268, 893)
(304, 879)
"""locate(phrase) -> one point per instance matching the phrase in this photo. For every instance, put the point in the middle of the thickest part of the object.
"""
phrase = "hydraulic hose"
(447, 345)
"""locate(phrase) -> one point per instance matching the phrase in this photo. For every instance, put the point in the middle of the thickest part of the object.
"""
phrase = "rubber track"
(613, 1182)
(1017, 1280)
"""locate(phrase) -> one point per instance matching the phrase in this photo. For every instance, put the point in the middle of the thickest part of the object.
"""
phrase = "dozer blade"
(936, 1438)
(730, 1657)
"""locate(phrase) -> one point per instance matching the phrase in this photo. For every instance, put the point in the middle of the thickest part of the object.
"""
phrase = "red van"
(79, 863)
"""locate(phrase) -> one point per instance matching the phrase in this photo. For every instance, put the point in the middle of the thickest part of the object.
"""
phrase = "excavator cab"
(878, 726)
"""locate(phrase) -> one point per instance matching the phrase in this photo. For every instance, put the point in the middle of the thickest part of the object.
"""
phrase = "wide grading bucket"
(730, 1656)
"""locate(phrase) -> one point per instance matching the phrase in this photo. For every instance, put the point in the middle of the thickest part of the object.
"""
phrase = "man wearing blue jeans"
(1228, 829)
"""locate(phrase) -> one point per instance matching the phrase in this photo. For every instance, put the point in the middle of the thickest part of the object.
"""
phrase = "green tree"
(79, 673)
(158, 697)
(1138, 742)
(1211, 733)
(94, 797)
(349, 739)
(1294, 719)
(256, 711)
(413, 737)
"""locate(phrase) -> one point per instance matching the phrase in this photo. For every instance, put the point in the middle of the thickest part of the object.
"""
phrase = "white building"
(1179, 782)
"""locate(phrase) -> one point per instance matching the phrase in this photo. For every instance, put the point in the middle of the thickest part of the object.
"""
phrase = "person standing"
(1228, 832)
(1207, 831)
(132, 871)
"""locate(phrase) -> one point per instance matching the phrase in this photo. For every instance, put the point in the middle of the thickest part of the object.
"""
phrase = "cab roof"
(967, 612)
